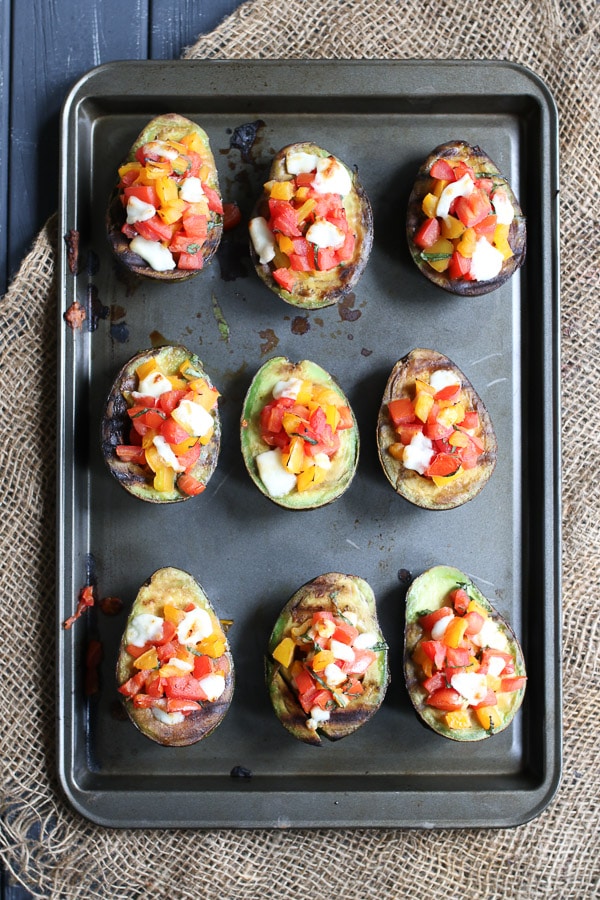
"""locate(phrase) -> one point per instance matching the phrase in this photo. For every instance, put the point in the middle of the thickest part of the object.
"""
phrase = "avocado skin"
(322, 288)
(259, 393)
(178, 588)
(428, 592)
(170, 126)
(484, 166)
(420, 491)
(116, 424)
(336, 593)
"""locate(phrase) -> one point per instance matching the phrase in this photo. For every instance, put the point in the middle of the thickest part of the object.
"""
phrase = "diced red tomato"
(155, 230)
(461, 169)
(436, 431)
(304, 681)
(346, 420)
(402, 411)
(155, 686)
(459, 266)
(283, 218)
(169, 401)
(450, 393)
(445, 698)
(131, 454)
(184, 687)
(434, 682)
(346, 251)
(168, 633)
(214, 200)
(427, 234)
(144, 192)
(470, 421)
(172, 432)
(475, 622)
(490, 699)
(191, 261)
(134, 684)
(460, 600)
(507, 685)
(189, 459)
(436, 651)
(443, 464)
(232, 216)
(407, 432)
(195, 226)
(355, 688)
(322, 699)
(428, 620)
(285, 278)
(306, 699)
(362, 661)
(442, 170)
(345, 633)
(486, 227)
(190, 485)
(327, 259)
(473, 209)
(457, 656)
(322, 615)
(299, 263)
(186, 707)
(165, 651)
(137, 651)
(145, 701)
(202, 666)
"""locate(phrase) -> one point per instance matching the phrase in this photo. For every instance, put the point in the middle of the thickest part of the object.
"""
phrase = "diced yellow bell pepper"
(206, 438)
(455, 631)
(193, 142)
(421, 659)
(474, 606)
(451, 415)
(332, 416)
(301, 194)
(494, 682)
(305, 393)
(205, 396)
(396, 450)
(322, 659)
(173, 614)
(172, 212)
(282, 190)
(154, 170)
(429, 205)
(129, 167)
(282, 261)
(438, 186)
(466, 245)
(441, 480)
(204, 175)
(184, 446)
(501, 241)
(284, 652)
(488, 717)
(422, 387)
(286, 245)
(438, 255)
(305, 210)
(152, 457)
(146, 368)
(213, 646)
(164, 478)
(305, 479)
(324, 395)
(452, 228)
(319, 475)
(293, 460)
(148, 439)
(167, 191)
(177, 384)
(423, 405)
(457, 719)
(148, 660)
(290, 422)
(458, 439)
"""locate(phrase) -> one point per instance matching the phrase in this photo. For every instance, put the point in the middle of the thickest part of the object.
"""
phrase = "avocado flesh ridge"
(427, 593)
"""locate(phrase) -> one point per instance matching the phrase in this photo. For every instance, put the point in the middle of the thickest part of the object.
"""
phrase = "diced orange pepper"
(284, 652)
(148, 660)
(305, 479)
(423, 387)
(172, 614)
(396, 450)
(458, 439)
(286, 245)
(466, 245)
(488, 717)
(455, 631)
(305, 210)
(457, 719)
(145, 368)
(322, 659)
(423, 405)
(429, 205)
(452, 228)
(476, 607)
(282, 190)
(293, 460)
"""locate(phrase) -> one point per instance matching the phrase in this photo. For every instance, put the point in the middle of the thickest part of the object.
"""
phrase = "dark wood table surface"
(44, 48)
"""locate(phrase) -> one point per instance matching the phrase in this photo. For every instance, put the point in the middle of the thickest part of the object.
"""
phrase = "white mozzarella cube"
(196, 420)
(332, 177)
(442, 378)
(289, 389)
(144, 628)
(273, 474)
(138, 210)
(213, 685)
(297, 162)
(153, 385)
(166, 455)
(324, 234)
(461, 188)
(158, 257)
(486, 261)
(503, 208)
(191, 190)
(418, 454)
(194, 627)
(263, 239)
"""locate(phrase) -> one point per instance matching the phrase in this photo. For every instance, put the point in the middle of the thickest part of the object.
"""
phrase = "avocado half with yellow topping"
(327, 662)
(148, 456)
(165, 215)
(466, 230)
(299, 436)
(311, 231)
(463, 665)
(435, 438)
(174, 669)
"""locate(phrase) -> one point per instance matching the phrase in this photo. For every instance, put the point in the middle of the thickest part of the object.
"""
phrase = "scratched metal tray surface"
(249, 554)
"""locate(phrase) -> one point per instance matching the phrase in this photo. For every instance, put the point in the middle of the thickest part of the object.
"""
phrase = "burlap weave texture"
(43, 841)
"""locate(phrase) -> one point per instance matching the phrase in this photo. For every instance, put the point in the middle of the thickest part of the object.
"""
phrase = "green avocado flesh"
(116, 426)
(168, 127)
(427, 593)
(418, 489)
(179, 589)
(484, 167)
(340, 595)
(343, 462)
(318, 289)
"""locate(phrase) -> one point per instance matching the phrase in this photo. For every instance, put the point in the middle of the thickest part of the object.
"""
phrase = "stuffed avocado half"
(435, 438)
(311, 231)
(327, 662)
(161, 429)
(463, 665)
(299, 437)
(165, 215)
(466, 231)
(174, 669)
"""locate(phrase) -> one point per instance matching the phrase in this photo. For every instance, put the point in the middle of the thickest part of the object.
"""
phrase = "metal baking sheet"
(251, 555)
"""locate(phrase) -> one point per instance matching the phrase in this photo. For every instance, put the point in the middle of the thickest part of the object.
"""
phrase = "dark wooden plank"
(4, 135)
(176, 25)
(53, 44)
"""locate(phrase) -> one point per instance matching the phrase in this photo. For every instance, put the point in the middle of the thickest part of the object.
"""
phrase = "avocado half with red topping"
(311, 231)
(466, 231)
(327, 661)
(165, 215)
(435, 438)
(299, 437)
(174, 670)
(161, 428)
(463, 664)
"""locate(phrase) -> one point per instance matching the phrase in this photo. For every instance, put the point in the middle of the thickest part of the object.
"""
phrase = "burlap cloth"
(56, 853)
